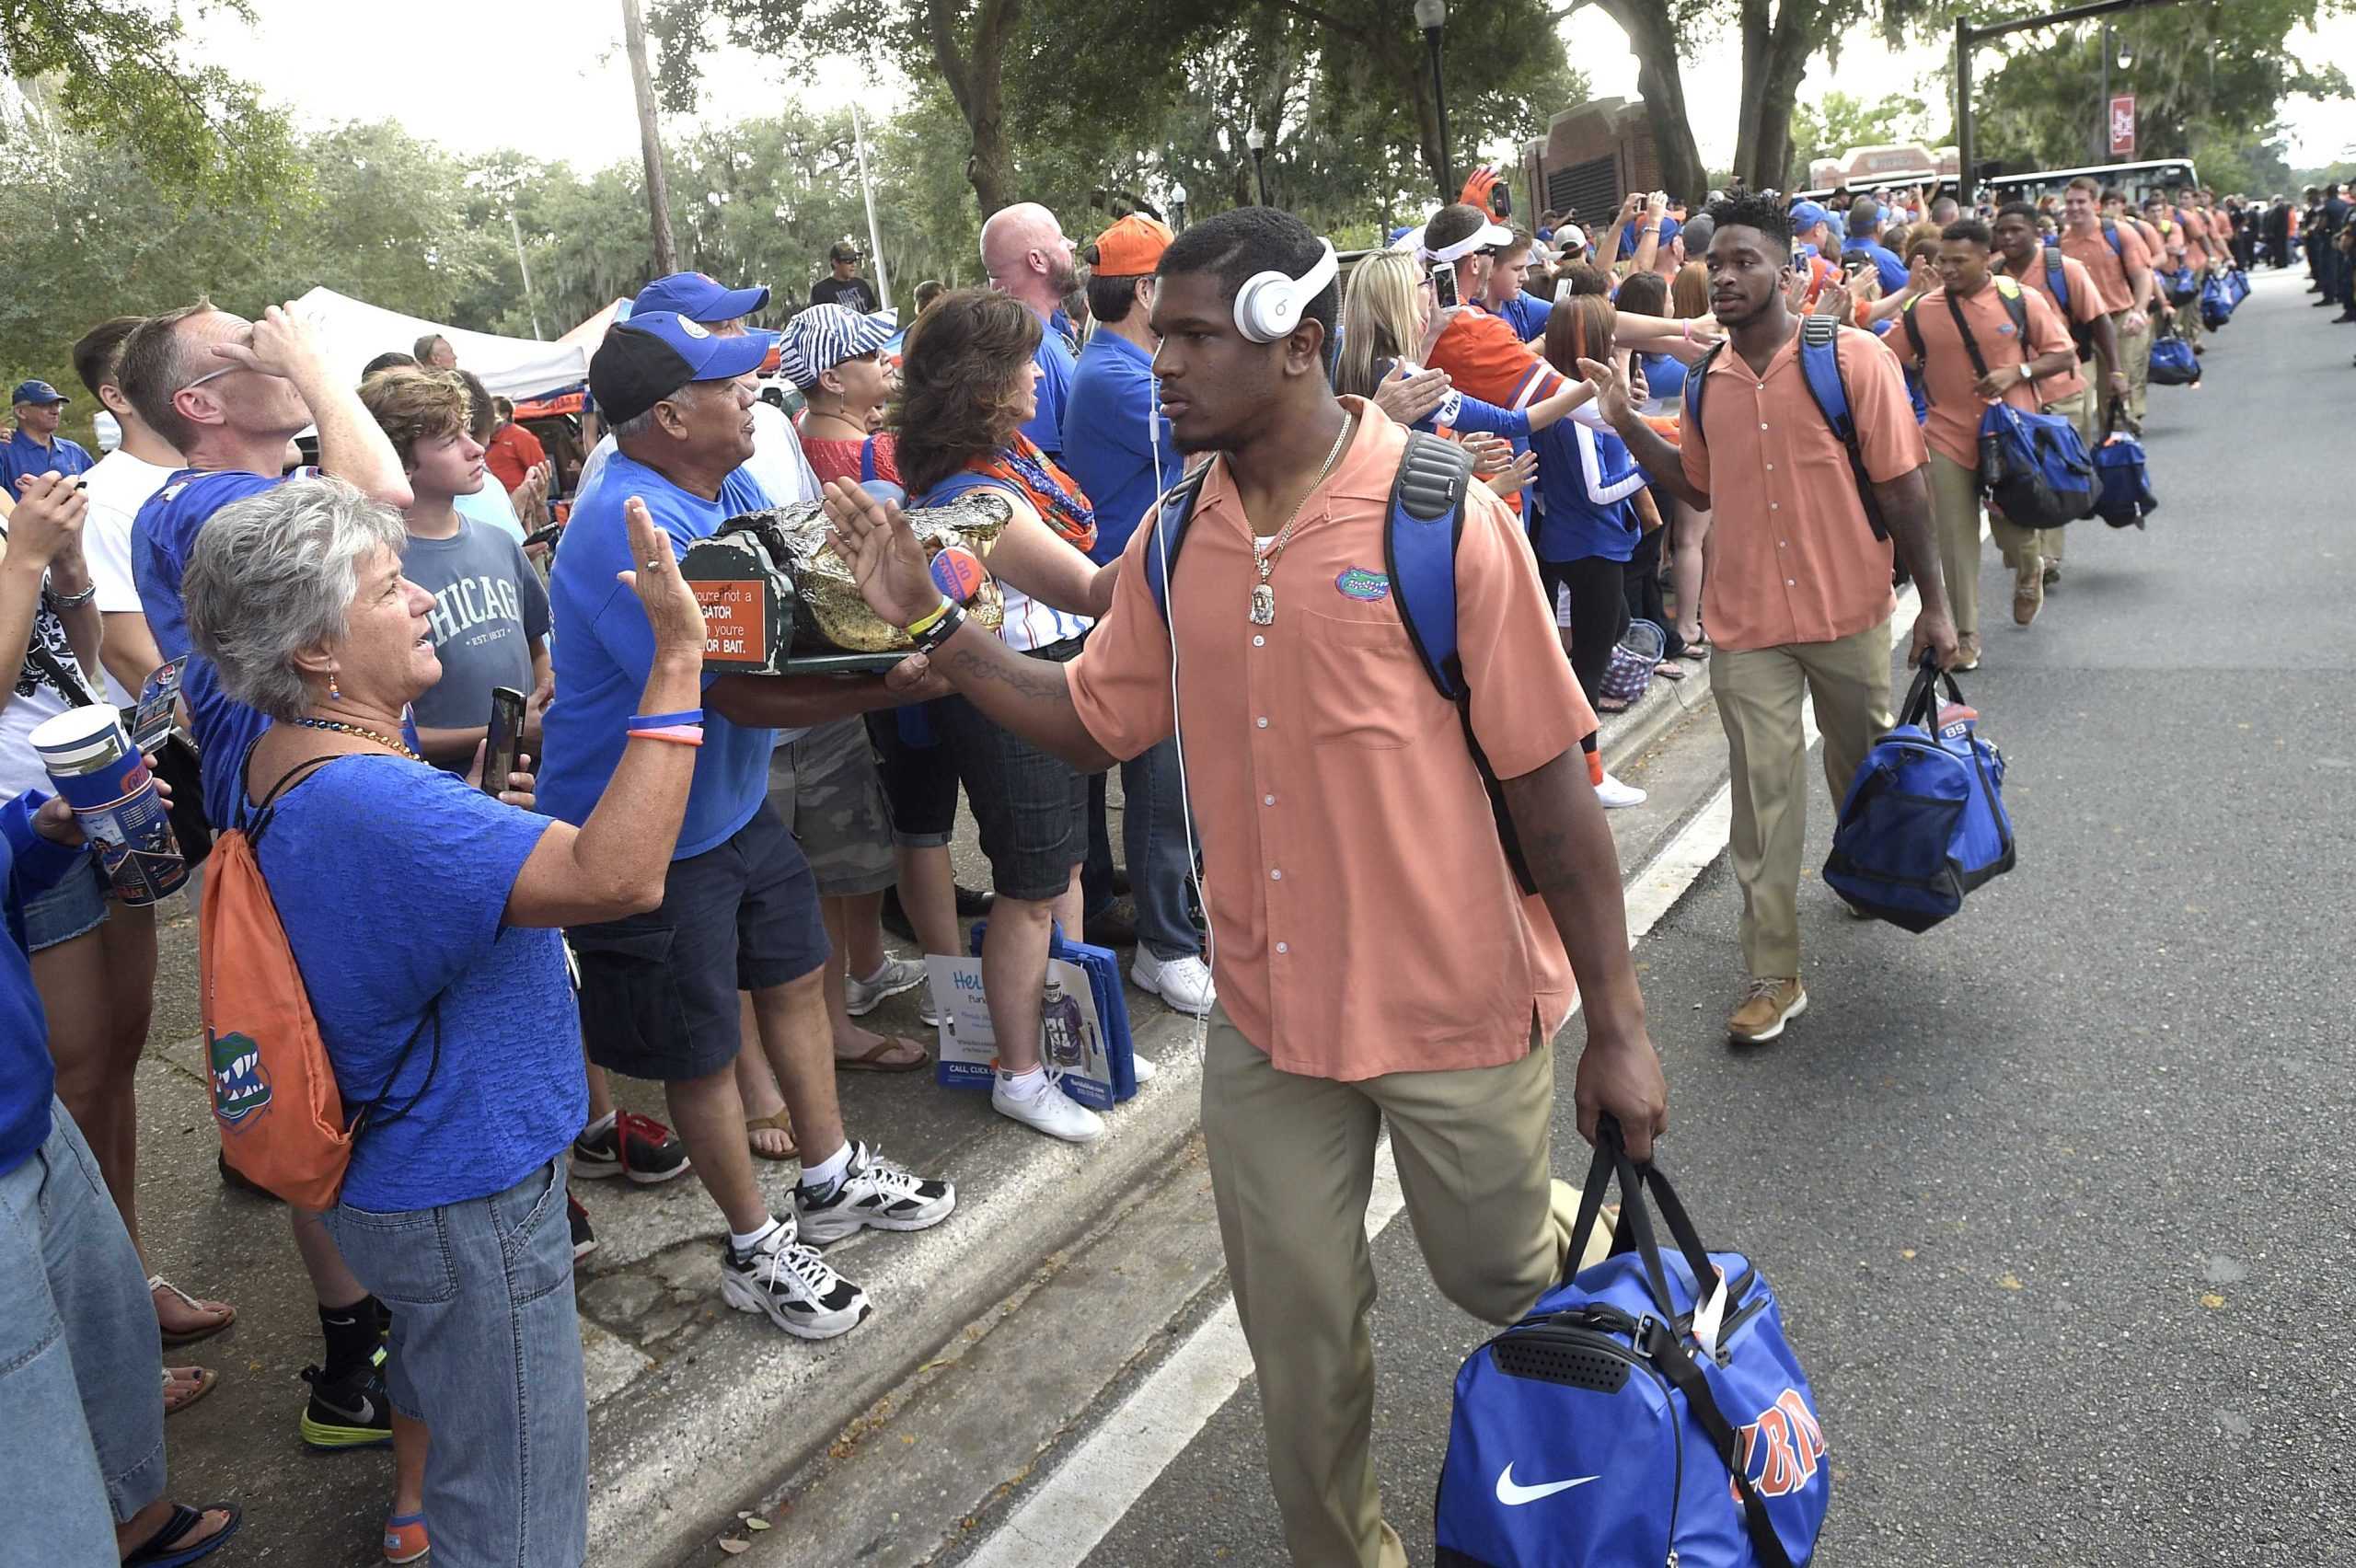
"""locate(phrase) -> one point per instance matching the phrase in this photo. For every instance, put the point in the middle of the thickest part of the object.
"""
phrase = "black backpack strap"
(1659, 1345)
(1914, 334)
(1971, 344)
(1173, 514)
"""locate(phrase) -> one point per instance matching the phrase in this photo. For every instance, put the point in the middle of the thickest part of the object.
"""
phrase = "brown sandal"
(780, 1122)
(198, 1381)
(159, 1285)
(890, 1053)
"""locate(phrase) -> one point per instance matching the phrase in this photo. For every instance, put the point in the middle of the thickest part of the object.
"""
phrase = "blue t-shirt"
(1572, 527)
(162, 538)
(1056, 362)
(30, 866)
(1527, 314)
(1887, 265)
(21, 455)
(1664, 376)
(439, 860)
(1105, 446)
(603, 650)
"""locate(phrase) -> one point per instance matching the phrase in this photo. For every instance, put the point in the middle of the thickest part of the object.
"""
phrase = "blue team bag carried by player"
(2217, 302)
(2173, 362)
(2126, 496)
(1924, 821)
(1637, 1415)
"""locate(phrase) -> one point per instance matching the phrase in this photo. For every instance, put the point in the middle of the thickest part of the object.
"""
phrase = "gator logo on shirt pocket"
(1367, 587)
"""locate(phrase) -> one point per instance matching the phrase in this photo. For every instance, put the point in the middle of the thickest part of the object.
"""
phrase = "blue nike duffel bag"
(2126, 496)
(1924, 820)
(1633, 1417)
(2173, 363)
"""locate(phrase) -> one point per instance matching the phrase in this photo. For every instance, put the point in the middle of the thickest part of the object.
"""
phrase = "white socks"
(751, 1241)
(824, 1176)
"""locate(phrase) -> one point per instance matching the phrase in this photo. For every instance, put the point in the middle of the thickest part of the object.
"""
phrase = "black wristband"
(941, 631)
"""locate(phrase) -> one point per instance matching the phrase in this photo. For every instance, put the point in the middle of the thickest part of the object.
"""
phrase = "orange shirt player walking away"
(1378, 964)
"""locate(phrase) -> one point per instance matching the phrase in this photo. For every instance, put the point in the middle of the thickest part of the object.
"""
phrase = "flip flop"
(204, 1381)
(165, 1548)
(890, 1053)
(158, 1283)
(780, 1122)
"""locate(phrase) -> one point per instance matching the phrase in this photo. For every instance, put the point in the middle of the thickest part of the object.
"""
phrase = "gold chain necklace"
(1264, 553)
(340, 727)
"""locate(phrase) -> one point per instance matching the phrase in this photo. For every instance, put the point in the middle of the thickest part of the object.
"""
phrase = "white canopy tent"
(351, 332)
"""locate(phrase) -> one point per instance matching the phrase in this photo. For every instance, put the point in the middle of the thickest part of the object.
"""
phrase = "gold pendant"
(1263, 605)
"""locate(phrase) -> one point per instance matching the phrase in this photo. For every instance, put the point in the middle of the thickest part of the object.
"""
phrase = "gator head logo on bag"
(239, 1086)
(1781, 1449)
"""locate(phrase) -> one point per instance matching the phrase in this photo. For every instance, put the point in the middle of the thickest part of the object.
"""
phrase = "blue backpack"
(1419, 557)
(2057, 282)
(1924, 820)
(1820, 370)
(2125, 496)
(1627, 1419)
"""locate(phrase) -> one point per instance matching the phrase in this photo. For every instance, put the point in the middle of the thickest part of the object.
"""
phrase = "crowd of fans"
(720, 852)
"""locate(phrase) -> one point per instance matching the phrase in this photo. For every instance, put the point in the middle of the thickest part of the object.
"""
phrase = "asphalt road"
(2057, 1197)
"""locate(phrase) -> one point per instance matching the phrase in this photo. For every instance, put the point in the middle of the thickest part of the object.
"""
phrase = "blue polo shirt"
(603, 650)
(162, 538)
(1527, 314)
(1887, 264)
(30, 866)
(1105, 444)
(1056, 362)
(21, 455)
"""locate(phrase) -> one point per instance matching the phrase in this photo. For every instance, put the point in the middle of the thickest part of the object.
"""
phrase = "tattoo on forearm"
(1548, 853)
(1029, 678)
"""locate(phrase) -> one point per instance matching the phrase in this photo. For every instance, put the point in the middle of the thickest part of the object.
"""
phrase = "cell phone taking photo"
(504, 740)
(1444, 284)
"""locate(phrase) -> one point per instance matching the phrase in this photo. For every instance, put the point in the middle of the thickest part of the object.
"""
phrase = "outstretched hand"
(885, 558)
(1613, 399)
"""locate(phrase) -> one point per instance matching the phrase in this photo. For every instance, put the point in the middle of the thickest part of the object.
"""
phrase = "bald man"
(1026, 255)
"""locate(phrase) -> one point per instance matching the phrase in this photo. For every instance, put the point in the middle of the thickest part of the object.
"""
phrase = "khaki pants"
(1758, 693)
(1954, 516)
(1292, 1164)
(2135, 358)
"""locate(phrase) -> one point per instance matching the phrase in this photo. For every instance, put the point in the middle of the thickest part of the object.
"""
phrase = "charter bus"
(2137, 181)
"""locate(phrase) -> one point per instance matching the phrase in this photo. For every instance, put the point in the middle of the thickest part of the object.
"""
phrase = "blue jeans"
(1153, 842)
(486, 1351)
(81, 1411)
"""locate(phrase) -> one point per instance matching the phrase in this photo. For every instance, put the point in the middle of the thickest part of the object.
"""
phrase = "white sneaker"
(1616, 796)
(875, 1194)
(1045, 1108)
(863, 996)
(1184, 982)
(790, 1285)
(1146, 1070)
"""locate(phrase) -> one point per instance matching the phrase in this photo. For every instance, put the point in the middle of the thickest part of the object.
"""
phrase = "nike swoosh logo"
(1514, 1495)
(365, 1414)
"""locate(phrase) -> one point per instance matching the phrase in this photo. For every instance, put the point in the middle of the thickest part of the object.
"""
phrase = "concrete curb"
(675, 1451)
(1627, 736)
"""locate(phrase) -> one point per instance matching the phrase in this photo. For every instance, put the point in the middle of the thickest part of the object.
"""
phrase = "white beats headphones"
(1269, 304)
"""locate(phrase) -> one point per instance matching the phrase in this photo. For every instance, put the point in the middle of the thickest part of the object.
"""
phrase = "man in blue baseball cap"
(740, 912)
(35, 448)
(776, 462)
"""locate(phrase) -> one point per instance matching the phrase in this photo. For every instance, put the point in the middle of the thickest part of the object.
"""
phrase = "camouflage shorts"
(826, 787)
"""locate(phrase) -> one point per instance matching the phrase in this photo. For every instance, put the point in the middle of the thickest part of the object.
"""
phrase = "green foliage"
(1829, 126)
(111, 70)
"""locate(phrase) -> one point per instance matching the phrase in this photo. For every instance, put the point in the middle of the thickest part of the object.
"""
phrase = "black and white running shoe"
(874, 1194)
(780, 1277)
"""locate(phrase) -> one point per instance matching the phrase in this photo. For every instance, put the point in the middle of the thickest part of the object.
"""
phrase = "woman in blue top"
(1647, 293)
(1589, 526)
(423, 914)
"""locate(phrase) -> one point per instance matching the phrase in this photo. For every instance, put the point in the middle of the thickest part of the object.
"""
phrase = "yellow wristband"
(924, 623)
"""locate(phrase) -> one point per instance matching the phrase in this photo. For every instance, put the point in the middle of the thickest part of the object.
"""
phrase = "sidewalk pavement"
(695, 1409)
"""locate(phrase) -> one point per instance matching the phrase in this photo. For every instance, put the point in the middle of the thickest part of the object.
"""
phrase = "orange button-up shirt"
(1363, 918)
(2108, 268)
(2085, 304)
(1948, 379)
(1792, 557)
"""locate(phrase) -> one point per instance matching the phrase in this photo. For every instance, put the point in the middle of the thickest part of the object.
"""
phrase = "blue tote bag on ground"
(1637, 1415)
(1924, 820)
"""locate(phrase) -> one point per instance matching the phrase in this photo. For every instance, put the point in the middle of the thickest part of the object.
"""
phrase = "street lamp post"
(1257, 140)
(1432, 17)
(1967, 35)
(1178, 206)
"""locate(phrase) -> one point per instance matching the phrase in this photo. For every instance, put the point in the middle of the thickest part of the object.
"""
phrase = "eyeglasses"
(209, 375)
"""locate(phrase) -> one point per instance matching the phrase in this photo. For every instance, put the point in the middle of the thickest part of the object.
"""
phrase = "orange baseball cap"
(1131, 248)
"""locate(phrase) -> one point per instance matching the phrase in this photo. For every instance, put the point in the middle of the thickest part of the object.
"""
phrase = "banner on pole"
(2122, 126)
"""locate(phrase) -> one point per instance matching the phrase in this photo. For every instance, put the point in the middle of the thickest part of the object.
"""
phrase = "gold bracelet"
(924, 623)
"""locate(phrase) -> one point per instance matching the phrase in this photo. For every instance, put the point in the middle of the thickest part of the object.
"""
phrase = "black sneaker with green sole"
(351, 1412)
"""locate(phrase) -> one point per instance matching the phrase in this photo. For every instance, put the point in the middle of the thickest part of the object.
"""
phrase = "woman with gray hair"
(423, 914)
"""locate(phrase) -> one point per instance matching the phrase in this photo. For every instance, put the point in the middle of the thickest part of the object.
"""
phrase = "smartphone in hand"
(1444, 284)
(506, 736)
